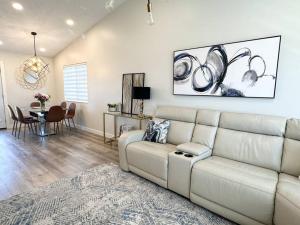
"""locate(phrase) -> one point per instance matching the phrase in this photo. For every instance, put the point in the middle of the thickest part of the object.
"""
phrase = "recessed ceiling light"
(42, 49)
(70, 22)
(17, 6)
(1, 42)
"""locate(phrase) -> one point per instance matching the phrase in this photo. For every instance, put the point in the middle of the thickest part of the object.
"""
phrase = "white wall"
(17, 95)
(123, 43)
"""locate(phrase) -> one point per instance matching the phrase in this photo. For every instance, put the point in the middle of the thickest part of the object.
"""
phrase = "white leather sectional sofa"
(244, 167)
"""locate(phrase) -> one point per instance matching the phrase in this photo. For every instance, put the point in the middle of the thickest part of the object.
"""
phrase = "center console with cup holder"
(180, 164)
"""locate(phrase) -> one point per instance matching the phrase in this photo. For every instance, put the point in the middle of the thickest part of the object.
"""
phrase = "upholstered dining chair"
(70, 114)
(14, 119)
(63, 105)
(26, 121)
(55, 115)
(35, 104)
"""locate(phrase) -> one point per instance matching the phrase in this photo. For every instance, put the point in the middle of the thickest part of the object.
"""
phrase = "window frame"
(76, 64)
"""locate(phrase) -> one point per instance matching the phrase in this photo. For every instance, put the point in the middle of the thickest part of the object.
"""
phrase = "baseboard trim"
(93, 131)
(84, 128)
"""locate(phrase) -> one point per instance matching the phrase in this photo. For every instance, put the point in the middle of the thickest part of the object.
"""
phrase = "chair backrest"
(291, 150)
(55, 114)
(63, 105)
(251, 138)
(20, 114)
(35, 104)
(12, 113)
(72, 109)
(205, 130)
(182, 123)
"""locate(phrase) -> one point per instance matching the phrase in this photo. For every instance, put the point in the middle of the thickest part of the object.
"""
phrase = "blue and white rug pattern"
(104, 195)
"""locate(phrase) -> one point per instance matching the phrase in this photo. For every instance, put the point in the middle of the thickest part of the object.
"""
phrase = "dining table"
(41, 114)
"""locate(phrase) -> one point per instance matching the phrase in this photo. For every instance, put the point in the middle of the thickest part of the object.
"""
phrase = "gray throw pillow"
(157, 131)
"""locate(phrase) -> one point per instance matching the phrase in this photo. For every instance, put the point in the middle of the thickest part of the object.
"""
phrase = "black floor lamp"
(141, 93)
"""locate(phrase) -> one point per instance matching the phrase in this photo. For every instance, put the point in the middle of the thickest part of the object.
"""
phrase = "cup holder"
(178, 153)
(188, 155)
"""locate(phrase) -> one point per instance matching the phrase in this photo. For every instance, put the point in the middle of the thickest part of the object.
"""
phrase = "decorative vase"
(43, 105)
(112, 109)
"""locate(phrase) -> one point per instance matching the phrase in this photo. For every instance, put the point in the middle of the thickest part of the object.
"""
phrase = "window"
(75, 83)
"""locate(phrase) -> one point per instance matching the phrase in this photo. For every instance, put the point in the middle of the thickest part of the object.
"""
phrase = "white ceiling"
(47, 18)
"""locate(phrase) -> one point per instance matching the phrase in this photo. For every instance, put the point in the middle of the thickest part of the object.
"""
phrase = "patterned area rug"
(104, 195)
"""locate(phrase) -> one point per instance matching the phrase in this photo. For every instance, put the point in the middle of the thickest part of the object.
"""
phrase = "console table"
(122, 115)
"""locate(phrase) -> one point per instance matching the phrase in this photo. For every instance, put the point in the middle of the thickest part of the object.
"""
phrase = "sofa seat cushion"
(240, 187)
(287, 204)
(150, 157)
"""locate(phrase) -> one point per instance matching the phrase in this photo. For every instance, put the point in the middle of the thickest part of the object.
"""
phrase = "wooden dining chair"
(70, 114)
(26, 121)
(55, 115)
(35, 104)
(15, 120)
(63, 105)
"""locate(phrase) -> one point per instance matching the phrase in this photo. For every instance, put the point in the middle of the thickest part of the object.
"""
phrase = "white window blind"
(75, 83)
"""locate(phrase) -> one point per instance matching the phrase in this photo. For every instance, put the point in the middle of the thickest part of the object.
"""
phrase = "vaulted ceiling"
(48, 19)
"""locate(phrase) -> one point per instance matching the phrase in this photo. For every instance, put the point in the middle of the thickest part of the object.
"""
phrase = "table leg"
(44, 131)
(140, 124)
(104, 133)
(115, 128)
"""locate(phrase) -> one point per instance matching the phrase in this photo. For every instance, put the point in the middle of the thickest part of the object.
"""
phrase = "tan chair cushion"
(240, 187)
(287, 204)
(204, 135)
(150, 157)
(180, 132)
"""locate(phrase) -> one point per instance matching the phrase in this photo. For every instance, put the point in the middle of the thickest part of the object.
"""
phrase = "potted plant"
(42, 98)
(113, 107)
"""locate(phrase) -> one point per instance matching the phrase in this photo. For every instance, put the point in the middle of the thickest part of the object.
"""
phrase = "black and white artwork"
(239, 69)
(130, 80)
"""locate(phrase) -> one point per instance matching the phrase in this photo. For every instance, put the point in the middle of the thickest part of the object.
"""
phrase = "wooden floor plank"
(34, 162)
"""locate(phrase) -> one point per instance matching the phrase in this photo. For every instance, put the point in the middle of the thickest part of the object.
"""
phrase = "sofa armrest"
(124, 140)
(199, 150)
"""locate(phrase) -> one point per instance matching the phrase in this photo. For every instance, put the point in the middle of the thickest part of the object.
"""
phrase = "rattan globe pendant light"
(34, 69)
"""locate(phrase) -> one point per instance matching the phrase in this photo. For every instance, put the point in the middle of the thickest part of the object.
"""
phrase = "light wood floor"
(36, 162)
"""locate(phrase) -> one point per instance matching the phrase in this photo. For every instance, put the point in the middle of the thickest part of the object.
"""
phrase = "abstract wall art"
(130, 80)
(237, 69)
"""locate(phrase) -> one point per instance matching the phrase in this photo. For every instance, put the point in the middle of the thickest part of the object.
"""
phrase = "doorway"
(2, 104)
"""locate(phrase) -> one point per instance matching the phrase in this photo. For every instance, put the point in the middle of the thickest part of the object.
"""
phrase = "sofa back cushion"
(208, 117)
(180, 132)
(206, 127)
(291, 150)
(251, 138)
(182, 123)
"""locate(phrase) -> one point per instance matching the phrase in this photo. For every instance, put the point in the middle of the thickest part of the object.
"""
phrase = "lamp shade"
(141, 93)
